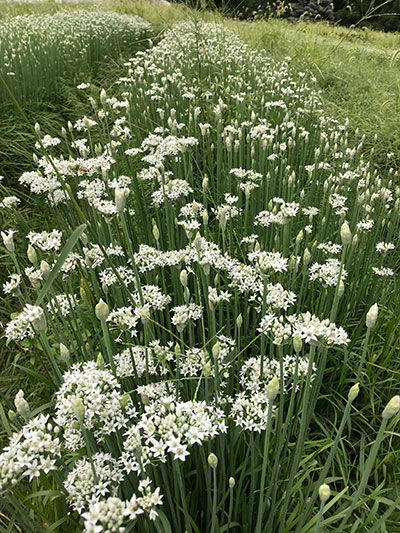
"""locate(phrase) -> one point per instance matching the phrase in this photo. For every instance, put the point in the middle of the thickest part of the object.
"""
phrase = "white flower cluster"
(309, 327)
(110, 514)
(88, 399)
(34, 449)
(12, 285)
(46, 240)
(280, 214)
(169, 426)
(31, 317)
(91, 479)
(182, 314)
(328, 273)
(144, 360)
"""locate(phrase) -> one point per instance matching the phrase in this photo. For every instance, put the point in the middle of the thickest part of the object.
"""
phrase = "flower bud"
(207, 369)
(197, 242)
(84, 239)
(273, 389)
(120, 196)
(100, 361)
(324, 493)
(183, 278)
(231, 482)
(102, 311)
(205, 184)
(103, 97)
(39, 323)
(372, 316)
(392, 408)
(64, 353)
(215, 350)
(297, 343)
(156, 233)
(144, 314)
(37, 128)
(213, 460)
(22, 405)
(345, 234)
(12, 416)
(353, 392)
(306, 257)
(239, 321)
(32, 255)
(8, 240)
(45, 269)
(205, 217)
(299, 237)
(341, 289)
(78, 408)
(186, 294)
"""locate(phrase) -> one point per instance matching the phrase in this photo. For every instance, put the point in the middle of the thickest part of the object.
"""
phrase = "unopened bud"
(183, 278)
(306, 257)
(8, 240)
(392, 408)
(324, 493)
(145, 314)
(37, 128)
(215, 350)
(22, 405)
(156, 233)
(45, 269)
(345, 234)
(197, 242)
(186, 294)
(101, 310)
(205, 184)
(207, 369)
(239, 321)
(103, 97)
(78, 408)
(273, 389)
(120, 196)
(231, 482)
(32, 255)
(64, 353)
(213, 460)
(205, 217)
(299, 237)
(297, 343)
(100, 361)
(341, 289)
(372, 316)
(39, 323)
(353, 392)
(12, 416)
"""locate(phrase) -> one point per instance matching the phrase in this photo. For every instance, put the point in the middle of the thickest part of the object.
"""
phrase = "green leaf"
(166, 526)
(60, 261)
(4, 421)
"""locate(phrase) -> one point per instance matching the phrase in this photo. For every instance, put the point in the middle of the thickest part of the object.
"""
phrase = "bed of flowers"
(205, 309)
(36, 49)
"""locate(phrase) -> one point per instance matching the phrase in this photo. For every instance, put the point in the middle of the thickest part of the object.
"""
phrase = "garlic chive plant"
(36, 49)
(199, 332)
